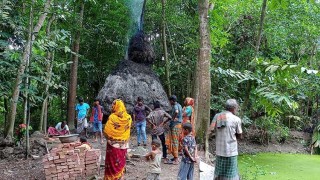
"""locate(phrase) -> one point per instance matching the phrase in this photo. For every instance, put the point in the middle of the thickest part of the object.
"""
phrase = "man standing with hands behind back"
(227, 128)
(82, 110)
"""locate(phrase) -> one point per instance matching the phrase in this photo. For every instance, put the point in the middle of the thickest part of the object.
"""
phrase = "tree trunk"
(16, 89)
(262, 18)
(49, 66)
(74, 73)
(257, 48)
(165, 48)
(6, 109)
(204, 86)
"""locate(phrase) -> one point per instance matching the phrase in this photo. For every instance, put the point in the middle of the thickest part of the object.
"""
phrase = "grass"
(267, 166)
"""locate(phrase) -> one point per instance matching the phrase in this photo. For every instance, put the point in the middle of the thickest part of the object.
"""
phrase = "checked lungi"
(226, 168)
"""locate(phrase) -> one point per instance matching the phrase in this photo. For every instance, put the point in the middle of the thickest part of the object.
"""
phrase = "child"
(84, 143)
(155, 157)
(189, 154)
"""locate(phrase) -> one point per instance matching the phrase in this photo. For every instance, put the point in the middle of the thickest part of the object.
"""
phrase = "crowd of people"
(178, 139)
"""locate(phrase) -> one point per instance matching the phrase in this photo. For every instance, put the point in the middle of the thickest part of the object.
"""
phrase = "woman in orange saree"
(188, 116)
(117, 131)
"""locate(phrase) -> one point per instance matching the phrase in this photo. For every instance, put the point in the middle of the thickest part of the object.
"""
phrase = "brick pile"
(69, 161)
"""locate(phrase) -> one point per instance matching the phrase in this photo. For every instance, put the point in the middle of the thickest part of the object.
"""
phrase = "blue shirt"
(82, 110)
(188, 111)
(96, 112)
(177, 107)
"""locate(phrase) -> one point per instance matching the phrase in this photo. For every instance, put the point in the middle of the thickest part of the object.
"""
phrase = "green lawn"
(280, 166)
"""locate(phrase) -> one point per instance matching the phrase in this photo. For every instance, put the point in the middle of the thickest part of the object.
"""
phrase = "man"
(139, 117)
(82, 110)
(96, 119)
(60, 129)
(156, 119)
(227, 128)
(175, 130)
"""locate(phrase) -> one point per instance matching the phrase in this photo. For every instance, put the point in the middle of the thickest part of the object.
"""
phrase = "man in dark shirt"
(139, 117)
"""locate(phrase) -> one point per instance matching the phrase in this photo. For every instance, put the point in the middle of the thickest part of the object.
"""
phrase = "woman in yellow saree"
(117, 131)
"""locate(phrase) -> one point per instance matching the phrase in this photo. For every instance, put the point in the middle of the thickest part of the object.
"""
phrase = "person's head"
(189, 101)
(63, 123)
(140, 101)
(83, 140)
(232, 106)
(187, 128)
(155, 144)
(156, 105)
(118, 107)
(96, 102)
(80, 99)
(173, 99)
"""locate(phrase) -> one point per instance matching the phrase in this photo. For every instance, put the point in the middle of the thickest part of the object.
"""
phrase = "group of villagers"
(180, 138)
(82, 110)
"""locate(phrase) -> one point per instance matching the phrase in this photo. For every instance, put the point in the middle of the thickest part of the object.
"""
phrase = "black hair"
(188, 127)
(156, 104)
(173, 98)
(80, 99)
(156, 142)
(83, 139)
(96, 99)
(140, 99)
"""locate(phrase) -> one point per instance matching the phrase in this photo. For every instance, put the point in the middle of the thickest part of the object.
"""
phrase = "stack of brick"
(92, 162)
(69, 161)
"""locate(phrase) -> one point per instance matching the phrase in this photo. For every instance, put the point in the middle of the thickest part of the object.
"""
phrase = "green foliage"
(253, 170)
(315, 141)
(279, 166)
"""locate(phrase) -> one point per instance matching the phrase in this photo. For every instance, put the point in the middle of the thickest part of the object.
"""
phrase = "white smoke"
(135, 7)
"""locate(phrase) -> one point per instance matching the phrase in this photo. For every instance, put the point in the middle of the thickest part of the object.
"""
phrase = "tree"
(26, 55)
(49, 66)
(203, 89)
(165, 48)
(74, 71)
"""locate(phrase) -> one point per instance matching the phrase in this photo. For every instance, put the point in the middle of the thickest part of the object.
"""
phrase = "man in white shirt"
(227, 128)
(60, 129)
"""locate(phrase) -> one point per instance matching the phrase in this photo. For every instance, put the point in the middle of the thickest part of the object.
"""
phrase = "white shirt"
(58, 127)
(226, 141)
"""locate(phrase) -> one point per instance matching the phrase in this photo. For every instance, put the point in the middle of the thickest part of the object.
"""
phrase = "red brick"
(62, 167)
(56, 157)
(71, 152)
(91, 167)
(51, 170)
(91, 162)
(66, 145)
(60, 160)
(89, 158)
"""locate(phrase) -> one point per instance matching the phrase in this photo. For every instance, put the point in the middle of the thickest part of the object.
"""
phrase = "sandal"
(168, 161)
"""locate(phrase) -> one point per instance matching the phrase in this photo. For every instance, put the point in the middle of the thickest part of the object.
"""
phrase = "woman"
(172, 139)
(188, 113)
(117, 131)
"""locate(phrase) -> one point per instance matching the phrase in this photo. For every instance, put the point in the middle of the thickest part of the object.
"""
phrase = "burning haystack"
(134, 77)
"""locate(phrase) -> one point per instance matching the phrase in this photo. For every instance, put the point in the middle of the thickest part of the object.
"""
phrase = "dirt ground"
(21, 169)
(137, 168)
